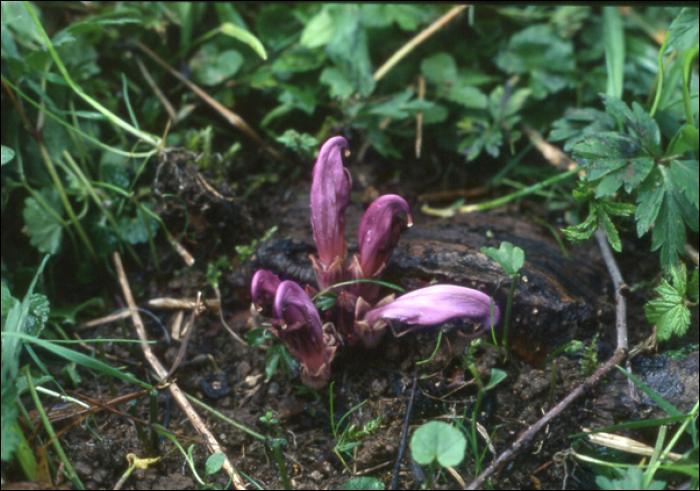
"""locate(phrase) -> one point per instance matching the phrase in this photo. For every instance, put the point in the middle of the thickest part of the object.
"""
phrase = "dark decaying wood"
(557, 299)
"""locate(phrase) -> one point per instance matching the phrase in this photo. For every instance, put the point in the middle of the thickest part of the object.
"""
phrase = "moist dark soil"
(230, 376)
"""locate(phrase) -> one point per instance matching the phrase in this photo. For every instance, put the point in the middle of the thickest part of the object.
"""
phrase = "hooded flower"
(330, 195)
(263, 290)
(377, 236)
(302, 333)
(431, 306)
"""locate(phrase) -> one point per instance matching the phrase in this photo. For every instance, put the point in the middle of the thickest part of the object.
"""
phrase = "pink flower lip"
(436, 305)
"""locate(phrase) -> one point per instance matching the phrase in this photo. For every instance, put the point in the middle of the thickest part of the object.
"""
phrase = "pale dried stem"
(413, 43)
(160, 370)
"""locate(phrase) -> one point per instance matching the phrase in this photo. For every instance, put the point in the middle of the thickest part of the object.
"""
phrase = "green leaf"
(273, 359)
(339, 85)
(258, 336)
(439, 68)
(584, 230)
(614, 43)
(669, 312)
(580, 124)
(44, 229)
(354, 63)
(616, 158)
(8, 301)
(408, 17)
(650, 197)
(439, 441)
(298, 60)
(693, 287)
(685, 173)
(685, 140)
(14, 326)
(212, 67)
(7, 155)
(607, 225)
(319, 30)
(214, 464)
(303, 144)
(509, 257)
(38, 314)
(644, 126)
(632, 479)
(497, 376)
(363, 484)
(675, 212)
(244, 36)
(683, 32)
(467, 96)
(135, 230)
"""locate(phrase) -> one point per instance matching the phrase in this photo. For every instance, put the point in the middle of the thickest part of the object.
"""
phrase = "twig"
(413, 43)
(619, 356)
(692, 253)
(177, 394)
(419, 116)
(404, 436)
(525, 438)
(159, 94)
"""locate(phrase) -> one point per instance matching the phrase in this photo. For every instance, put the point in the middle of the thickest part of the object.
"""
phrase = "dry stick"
(619, 356)
(229, 115)
(621, 290)
(404, 436)
(413, 43)
(159, 94)
(177, 394)
(692, 253)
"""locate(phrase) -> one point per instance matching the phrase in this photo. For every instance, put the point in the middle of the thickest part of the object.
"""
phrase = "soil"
(231, 377)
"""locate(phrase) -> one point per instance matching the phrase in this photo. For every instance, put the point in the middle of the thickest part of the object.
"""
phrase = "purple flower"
(330, 195)
(302, 333)
(263, 290)
(433, 305)
(377, 236)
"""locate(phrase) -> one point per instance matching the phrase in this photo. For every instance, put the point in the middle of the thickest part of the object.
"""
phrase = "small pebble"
(316, 476)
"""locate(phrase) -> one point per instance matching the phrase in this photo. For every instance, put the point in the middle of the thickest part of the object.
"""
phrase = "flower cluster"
(359, 314)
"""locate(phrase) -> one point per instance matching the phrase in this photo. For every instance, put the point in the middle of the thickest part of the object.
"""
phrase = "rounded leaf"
(438, 441)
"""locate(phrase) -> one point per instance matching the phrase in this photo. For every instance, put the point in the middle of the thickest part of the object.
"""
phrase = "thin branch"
(404, 436)
(528, 435)
(413, 43)
(160, 370)
(619, 356)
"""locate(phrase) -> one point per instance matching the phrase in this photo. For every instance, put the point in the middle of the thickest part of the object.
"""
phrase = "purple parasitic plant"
(358, 312)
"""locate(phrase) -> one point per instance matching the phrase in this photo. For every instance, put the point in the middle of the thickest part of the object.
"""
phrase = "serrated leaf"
(669, 312)
(616, 108)
(618, 209)
(7, 155)
(683, 32)
(339, 85)
(584, 230)
(675, 212)
(245, 37)
(646, 129)
(693, 287)
(607, 225)
(467, 96)
(39, 308)
(408, 17)
(685, 172)
(649, 199)
(44, 230)
(509, 257)
(615, 157)
(135, 230)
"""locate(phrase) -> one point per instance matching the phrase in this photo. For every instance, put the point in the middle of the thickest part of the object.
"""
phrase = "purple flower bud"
(302, 333)
(379, 231)
(435, 305)
(330, 195)
(263, 290)
(377, 236)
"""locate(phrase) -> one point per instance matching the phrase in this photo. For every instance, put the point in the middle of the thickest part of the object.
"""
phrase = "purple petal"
(330, 195)
(263, 290)
(379, 232)
(438, 304)
(302, 333)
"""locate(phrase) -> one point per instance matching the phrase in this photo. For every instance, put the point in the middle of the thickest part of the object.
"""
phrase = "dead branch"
(162, 373)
